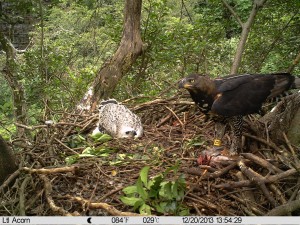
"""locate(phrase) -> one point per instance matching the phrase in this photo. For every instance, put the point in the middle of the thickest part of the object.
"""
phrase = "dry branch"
(53, 206)
(262, 162)
(50, 170)
(285, 209)
(99, 205)
(266, 173)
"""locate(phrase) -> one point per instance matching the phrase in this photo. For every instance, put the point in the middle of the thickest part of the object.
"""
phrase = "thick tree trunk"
(129, 49)
(18, 93)
(7, 161)
(281, 118)
(257, 4)
(293, 132)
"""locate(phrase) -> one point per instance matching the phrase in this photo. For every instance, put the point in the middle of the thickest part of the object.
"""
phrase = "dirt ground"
(261, 180)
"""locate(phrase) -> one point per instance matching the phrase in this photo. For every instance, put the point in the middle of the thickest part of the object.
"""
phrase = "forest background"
(70, 41)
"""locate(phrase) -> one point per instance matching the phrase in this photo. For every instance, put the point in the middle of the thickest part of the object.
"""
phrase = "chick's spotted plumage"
(118, 121)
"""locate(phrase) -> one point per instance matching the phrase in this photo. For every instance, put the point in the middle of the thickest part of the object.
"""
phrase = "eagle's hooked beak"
(184, 84)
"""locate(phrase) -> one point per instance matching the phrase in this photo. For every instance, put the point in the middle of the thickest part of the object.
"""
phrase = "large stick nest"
(263, 180)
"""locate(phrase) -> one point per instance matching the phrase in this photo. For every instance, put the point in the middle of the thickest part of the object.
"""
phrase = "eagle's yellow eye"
(192, 81)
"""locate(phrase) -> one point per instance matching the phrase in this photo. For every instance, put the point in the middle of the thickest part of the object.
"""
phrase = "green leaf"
(166, 190)
(96, 135)
(184, 212)
(117, 163)
(72, 159)
(80, 137)
(104, 138)
(85, 155)
(144, 175)
(155, 186)
(103, 151)
(87, 150)
(171, 207)
(174, 190)
(130, 190)
(131, 201)
(121, 156)
(160, 207)
(145, 209)
(175, 168)
(140, 189)
(138, 204)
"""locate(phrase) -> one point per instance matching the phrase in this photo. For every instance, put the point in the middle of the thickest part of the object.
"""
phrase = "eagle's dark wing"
(245, 94)
(232, 97)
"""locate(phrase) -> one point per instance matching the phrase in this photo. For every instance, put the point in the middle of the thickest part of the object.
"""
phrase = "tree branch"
(244, 35)
(236, 16)
(10, 72)
(130, 48)
(285, 209)
(295, 62)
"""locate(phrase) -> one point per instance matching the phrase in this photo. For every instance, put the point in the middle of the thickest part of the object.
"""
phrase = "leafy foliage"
(70, 41)
(159, 193)
(90, 151)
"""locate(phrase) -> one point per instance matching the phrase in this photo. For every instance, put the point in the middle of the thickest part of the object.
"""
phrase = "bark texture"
(7, 161)
(11, 76)
(128, 51)
(284, 118)
(257, 5)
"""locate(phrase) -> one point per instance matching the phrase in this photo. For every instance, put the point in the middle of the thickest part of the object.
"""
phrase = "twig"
(66, 147)
(22, 196)
(223, 171)
(71, 127)
(9, 180)
(33, 200)
(201, 201)
(197, 209)
(94, 190)
(99, 205)
(258, 179)
(289, 144)
(164, 120)
(296, 191)
(50, 170)
(53, 206)
(184, 6)
(279, 195)
(285, 209)
(270, 179)
(270, 144)
(175, 115)
(110, 193)
(262, 162)
(238, 19)
(246, 193)
(46, 126)
(93, 120)
(253, 207)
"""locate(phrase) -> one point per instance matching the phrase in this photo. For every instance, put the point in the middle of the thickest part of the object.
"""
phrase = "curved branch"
(236, 16)
(244, 35)
(285, 209)
(131, 46)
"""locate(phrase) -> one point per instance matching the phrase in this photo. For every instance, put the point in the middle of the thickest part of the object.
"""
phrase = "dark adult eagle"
(233, 97)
